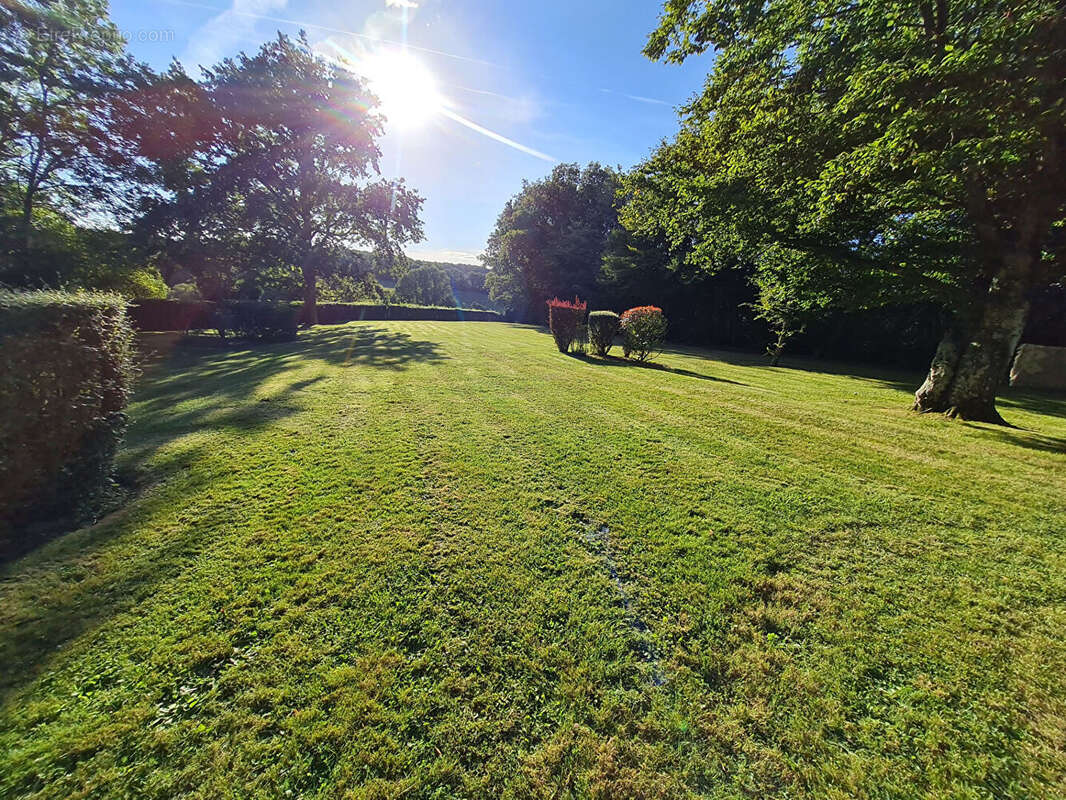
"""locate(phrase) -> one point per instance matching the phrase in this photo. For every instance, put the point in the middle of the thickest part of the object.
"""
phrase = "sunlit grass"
(443, 560)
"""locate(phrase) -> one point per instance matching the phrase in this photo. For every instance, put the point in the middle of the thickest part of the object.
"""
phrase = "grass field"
(430, 560)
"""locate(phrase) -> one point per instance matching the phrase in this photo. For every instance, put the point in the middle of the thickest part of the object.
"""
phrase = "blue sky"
(522, 85)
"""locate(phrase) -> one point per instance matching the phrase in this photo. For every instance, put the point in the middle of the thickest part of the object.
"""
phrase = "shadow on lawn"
(229, 373)
(76, 599)
(1035, 402)
(615, 361)
(1022, 437)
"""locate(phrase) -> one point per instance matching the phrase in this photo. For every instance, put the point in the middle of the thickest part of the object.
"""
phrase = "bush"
(66, 369)
(564, 317)
(171, 315)
(262, 322)
(603, 327)
(643, 332)
(185, 292)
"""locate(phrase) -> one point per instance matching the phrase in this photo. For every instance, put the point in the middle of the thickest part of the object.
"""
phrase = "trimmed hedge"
(66, 370)
(263, 322)
(337, 313)
(603, 327)
(172, 315)
(180, 315)
(564, 319)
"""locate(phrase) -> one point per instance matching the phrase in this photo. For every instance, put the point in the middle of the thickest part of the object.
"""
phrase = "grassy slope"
(442, 560)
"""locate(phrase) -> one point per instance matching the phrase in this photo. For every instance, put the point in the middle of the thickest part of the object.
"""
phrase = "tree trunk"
(309, 312)
(27, 222)
(973, 358)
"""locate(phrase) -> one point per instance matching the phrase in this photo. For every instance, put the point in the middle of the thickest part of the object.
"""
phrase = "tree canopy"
(870, 151)
(550, 238)
(63, 69)
(274, 155)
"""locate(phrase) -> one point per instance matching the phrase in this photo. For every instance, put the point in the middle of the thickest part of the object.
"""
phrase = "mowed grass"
(436, 560)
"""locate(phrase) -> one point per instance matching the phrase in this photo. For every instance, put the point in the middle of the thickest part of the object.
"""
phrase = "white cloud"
(451, 256)
(231, 30)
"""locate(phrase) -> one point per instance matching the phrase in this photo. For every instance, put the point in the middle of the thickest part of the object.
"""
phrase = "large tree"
(63, 67)
(550, 238)
(886, 150)
(272, 160)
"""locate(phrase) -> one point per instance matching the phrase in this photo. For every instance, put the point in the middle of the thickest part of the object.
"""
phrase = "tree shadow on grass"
(891, 377)
(1021, 437)
(1035, 402)
(615, 361)
(55, 593)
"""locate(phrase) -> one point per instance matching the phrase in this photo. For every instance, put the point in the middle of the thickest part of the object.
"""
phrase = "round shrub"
(603, 327)
(643, 332)
(564, 318)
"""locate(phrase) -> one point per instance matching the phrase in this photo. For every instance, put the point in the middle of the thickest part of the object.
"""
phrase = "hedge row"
(171, 315)
(180, 315)
(66, 369)
(335, 313)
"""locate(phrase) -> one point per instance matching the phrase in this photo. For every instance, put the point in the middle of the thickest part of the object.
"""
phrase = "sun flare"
(406, 88)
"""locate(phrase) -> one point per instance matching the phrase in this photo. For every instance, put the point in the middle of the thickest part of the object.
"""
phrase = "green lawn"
(442, 560)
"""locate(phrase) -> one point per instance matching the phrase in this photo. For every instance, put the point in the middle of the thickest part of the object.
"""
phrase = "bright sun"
(406, 89)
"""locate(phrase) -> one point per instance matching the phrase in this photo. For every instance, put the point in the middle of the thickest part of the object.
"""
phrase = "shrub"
(263, 322)
(186, 292)
(603, 326)
(643, 332)
(66, 368)
(171, 315)
(564, 317)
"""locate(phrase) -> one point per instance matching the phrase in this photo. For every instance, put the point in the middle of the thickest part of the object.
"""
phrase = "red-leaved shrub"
(643, 331)
(564, 317)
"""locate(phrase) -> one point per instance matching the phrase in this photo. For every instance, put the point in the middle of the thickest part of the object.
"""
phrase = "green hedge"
(337, 313)
(603, 327)
(66, 369)
(181, 315)
(171, 315)
(263, 322)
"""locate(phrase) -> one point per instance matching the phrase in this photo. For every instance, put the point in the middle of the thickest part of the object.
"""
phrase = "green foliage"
(71, 257)
(63, 68)
(256, 321)
(783, 312)
(870, 136)
(428, 286)
(66, 369)
(602, 328)
(337, 287)
(334, 313)
(643, 332)
(898, 151)
(184, 292)
(416, 559)
(269, 179)
(153, 314)
(550, 237)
